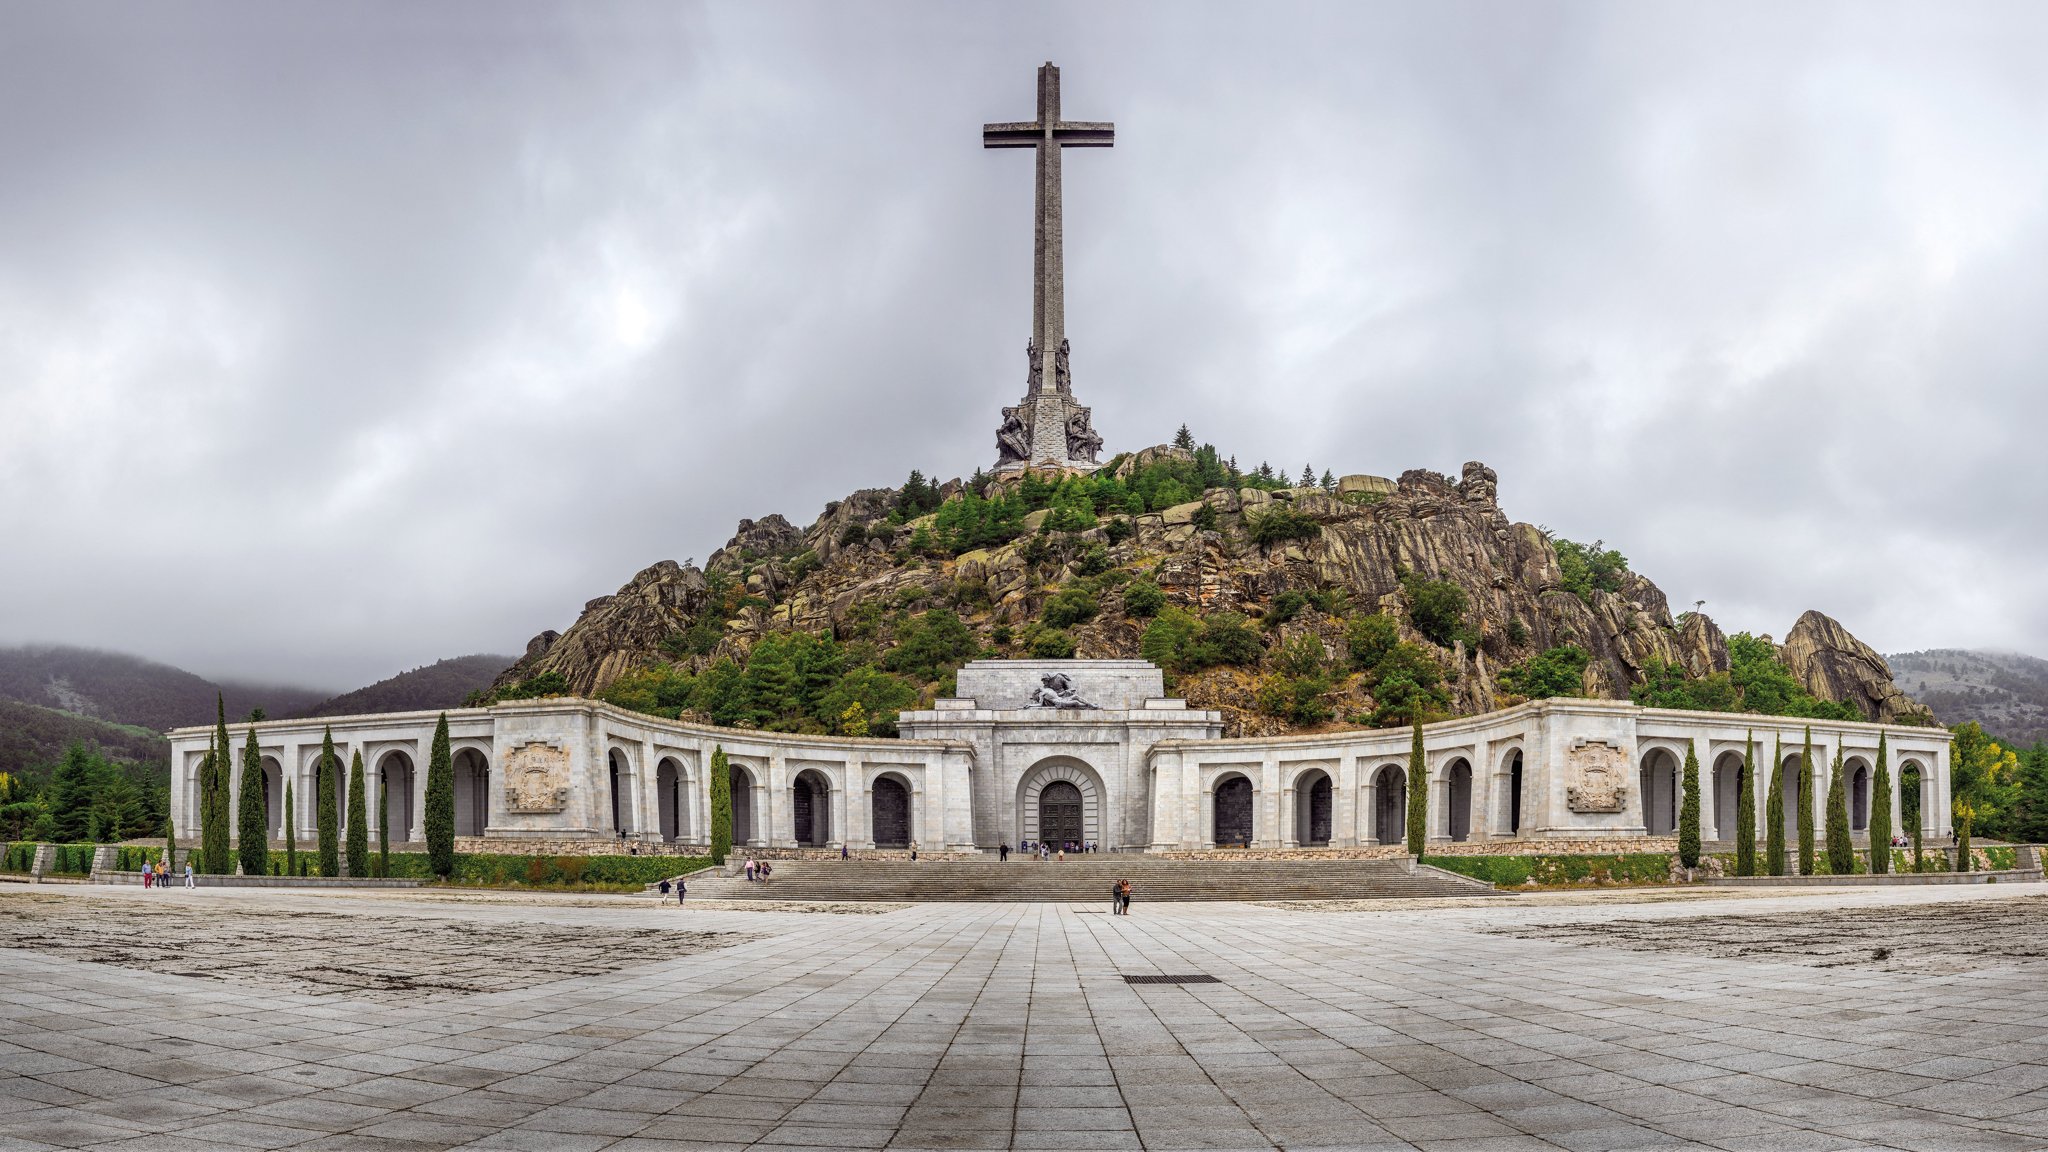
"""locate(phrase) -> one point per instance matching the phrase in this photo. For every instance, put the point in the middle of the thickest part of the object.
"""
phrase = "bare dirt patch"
(1935, 938)
(413, 959)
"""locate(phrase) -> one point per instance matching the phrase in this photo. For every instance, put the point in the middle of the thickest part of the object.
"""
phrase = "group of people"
(158, 875)
(758, 870)
(681, 888)
(1120, 898)
(1042, 849)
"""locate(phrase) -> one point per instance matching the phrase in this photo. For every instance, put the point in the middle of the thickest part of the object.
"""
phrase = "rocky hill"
(442, 684)
(2005, 692)
(1288, 607)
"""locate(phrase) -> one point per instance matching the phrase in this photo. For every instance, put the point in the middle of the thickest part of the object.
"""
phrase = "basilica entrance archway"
(1059, 815)
(1458, 802)
(741, 783)
(1060, 801)
(472, 792)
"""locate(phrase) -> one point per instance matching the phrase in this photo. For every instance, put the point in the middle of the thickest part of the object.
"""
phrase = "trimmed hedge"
(71, 859)
(476, 869)
(1561, 871)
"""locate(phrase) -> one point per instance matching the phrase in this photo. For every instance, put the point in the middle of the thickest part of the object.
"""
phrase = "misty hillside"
(33, 737)
(442, 684)
(2006, 692)
(130, 690)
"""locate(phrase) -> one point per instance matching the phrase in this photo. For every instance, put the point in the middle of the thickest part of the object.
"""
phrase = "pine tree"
(1806, 806)
(70, 794)
(252, 829)
(218, 860)
(1184, 439)
(1881, 812)
(291, 834)
(1774, 813)
(326, 781)
(1308, 477)
(1329, 482)
(1689, 811)
(721, 799)
(358, 819)
(440, 813)
(1841, 850)
(1745, 810)
(1418, 793)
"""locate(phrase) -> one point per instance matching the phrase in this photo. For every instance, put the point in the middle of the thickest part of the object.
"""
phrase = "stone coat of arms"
(537, 778)
(1596, 777)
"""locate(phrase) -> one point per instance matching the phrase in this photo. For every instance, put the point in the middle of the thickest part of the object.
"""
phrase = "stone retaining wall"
(211, 881)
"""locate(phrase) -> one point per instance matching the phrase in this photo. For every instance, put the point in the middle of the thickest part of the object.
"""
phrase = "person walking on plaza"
(682, 890)
(663, 889)
(188, 875)
(1123, 893)
(1003, 852)
(1116, 898)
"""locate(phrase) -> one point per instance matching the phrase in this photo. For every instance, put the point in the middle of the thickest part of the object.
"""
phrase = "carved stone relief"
(537, 778)
(1596, 777)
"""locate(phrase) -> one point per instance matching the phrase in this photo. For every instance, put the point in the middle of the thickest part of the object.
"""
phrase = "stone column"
(1484, 785)
(422, 756)
(1344, 830)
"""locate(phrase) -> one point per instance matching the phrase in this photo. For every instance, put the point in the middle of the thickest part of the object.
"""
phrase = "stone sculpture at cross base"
(1047, 429)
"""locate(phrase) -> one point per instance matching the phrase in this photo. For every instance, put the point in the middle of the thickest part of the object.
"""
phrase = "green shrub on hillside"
(1554, 672)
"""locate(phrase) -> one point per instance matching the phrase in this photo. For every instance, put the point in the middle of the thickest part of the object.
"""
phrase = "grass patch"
(1560, 871)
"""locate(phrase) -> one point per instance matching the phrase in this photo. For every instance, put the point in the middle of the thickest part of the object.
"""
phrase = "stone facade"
(1132, 768)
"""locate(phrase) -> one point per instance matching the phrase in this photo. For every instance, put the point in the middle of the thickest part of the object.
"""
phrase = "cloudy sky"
(337, 339)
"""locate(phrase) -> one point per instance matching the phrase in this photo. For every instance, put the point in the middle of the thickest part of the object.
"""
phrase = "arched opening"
(1515, 793)
(1059, 815)
(472, 793)
(1727, 793)
(1313, 801)
(742, 785)
(1788, 795)
(1233, 816)
(1912, 796)
(1658, 780)
(395, 784)
(811, 809)
(891, 802)
(1859, 796)
(273, 798)
(668, 800)
(1458, 800)
(1390, 806)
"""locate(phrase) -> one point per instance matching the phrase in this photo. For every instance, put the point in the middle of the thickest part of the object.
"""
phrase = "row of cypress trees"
(252, 834)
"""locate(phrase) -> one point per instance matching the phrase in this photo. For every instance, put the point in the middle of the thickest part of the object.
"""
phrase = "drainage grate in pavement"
(1195, 979)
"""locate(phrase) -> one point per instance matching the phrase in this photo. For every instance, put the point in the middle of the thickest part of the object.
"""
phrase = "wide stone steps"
(1087, 879)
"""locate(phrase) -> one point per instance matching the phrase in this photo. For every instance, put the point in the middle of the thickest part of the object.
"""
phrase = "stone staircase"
(1086, 879)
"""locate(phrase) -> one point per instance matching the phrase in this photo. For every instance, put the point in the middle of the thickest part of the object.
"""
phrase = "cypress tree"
(1841, 850)
(291, 833)
(325, 780)
(440, 813)
(1806, 806)
(721, 799)
(1745, 810)
(170, 841)
(1966, 815)
(1881, 812)
(358, 819)
(1689, 811)
(1774, 813)
(215, 854)
(1418, 792)
(252, 830)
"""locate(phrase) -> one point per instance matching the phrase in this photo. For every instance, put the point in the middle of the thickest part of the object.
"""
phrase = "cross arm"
(1084, 134)
(1013, 135)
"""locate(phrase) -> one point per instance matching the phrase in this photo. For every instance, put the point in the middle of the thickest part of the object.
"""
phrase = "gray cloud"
(336, 340)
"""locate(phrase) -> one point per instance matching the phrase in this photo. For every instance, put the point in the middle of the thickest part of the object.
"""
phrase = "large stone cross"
(1049, 134)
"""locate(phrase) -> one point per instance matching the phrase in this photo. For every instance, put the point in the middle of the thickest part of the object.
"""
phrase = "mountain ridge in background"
(442, 684)
(124, 689)
(2005, 692)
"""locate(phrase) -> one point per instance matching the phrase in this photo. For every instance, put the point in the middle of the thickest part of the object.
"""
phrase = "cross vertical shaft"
(1048, 264)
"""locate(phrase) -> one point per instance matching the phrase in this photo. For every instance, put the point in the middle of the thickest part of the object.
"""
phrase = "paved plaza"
(1780, 1020)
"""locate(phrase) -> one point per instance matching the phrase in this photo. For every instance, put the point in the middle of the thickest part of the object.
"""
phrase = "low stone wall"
(579, 846)
(1606, 846)
(741, 852)
(2011, 876)
(1368, 852)
(209, 881)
